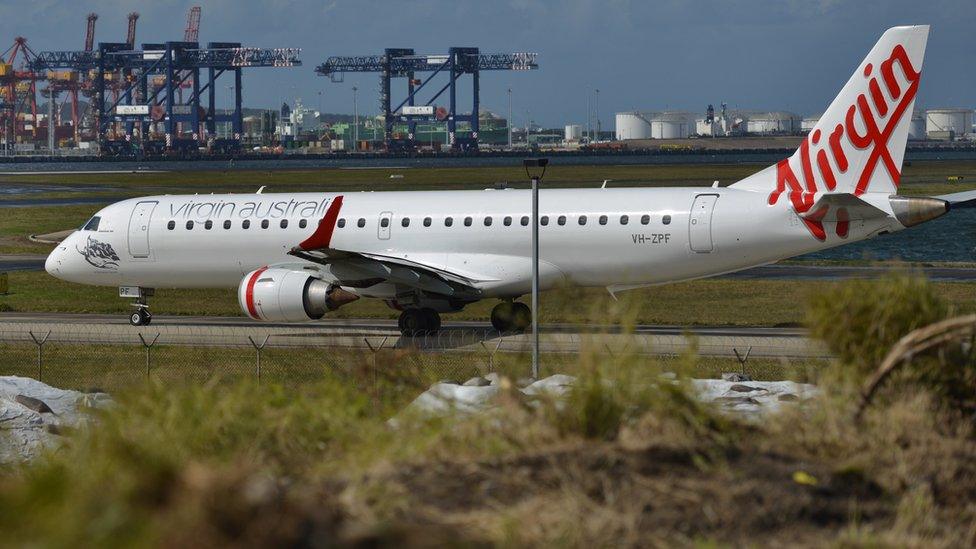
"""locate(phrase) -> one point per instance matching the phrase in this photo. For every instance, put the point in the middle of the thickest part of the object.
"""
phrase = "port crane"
(406, 63)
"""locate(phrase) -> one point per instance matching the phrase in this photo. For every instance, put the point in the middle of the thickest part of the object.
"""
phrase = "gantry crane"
(403, 62)
(18, 87)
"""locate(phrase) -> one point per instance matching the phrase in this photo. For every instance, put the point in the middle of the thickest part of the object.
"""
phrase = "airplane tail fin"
(858, 144)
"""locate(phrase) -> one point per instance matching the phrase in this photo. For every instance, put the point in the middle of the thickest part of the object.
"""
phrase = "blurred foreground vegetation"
(628, 458)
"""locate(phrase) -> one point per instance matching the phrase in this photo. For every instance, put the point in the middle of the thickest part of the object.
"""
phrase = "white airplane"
(294, 257)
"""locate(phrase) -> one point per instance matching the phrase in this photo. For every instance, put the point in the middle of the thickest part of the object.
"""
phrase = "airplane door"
(383, 227)
(700, 223)
(139, 229)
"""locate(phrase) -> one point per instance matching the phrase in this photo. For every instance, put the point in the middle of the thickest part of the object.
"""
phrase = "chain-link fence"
(108, 360)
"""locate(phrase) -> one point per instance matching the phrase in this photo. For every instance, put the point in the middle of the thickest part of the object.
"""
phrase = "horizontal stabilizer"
(842, 207)
(965, 199)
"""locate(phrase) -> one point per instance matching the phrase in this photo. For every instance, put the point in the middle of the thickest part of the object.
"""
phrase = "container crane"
(18, 85)
(403, 62)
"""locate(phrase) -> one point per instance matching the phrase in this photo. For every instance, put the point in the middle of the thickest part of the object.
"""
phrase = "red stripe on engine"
(249, 293)
(322, 236)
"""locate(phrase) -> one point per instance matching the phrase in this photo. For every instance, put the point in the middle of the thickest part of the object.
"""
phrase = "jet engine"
(286, 295)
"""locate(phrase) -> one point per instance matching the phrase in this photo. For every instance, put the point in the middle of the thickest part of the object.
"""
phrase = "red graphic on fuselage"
(874, 137)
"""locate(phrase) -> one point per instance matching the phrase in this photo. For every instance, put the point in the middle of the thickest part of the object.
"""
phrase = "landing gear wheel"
(140, 317)
(412, 322)
(502, 316)
(521, 317)
(432, 320)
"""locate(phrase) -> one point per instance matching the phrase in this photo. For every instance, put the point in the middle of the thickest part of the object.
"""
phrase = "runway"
(719, 341)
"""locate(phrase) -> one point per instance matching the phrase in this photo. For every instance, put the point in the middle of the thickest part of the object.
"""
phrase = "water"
(562, 159)
(951, 237)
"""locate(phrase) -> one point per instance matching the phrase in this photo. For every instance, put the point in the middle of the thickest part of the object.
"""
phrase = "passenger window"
(448, 221)
(488, 221)
(561, 220)
(645, 219)
(603, 220)
(361, 223)
(467, 221)
(507, 221)
(342, 222)
(624, 219)
(405, 222)
(544, 220)
(246, 224)
(92, 224)
(384, 222)
(171, 225)
(227, 224)
(427, 221)
(302, 223)
(582, 220)
(208, 225)
(525, 221)
(265, 223)
(666, 220)
(189, 225)
(283, 224)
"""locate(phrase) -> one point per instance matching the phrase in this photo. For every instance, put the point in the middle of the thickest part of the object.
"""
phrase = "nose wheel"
(140, 317)
(511, 316)
(418, 322)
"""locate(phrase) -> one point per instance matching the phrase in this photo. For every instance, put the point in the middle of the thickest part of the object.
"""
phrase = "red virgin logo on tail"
(871, 135)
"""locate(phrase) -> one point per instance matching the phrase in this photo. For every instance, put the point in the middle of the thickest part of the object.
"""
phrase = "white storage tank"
(574, 132)
(809, 123)
(957, 121)
(672, 125)
(916, 128)
(632, 125)
(775, 122)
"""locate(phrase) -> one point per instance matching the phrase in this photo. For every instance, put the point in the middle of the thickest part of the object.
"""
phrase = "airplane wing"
(964, 199)
(842, 207)
(356, 269)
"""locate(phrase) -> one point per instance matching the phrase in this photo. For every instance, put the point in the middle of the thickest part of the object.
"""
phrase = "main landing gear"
(141, 316)
(419, 322)
(511, 316)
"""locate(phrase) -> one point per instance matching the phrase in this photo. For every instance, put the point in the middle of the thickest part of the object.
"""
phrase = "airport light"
(535, 169)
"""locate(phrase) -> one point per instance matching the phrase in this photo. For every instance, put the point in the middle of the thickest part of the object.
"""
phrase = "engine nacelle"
(286, 295)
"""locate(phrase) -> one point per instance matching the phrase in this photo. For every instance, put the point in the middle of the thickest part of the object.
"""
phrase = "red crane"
(192, 32)
(130, 36)
(90, 32)
(18, 83)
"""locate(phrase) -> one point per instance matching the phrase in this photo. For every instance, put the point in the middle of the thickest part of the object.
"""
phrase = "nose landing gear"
(141, 316)
(418, 322)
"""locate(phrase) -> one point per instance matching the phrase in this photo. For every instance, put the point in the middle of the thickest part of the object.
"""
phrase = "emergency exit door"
(700, 223)
(139, 229)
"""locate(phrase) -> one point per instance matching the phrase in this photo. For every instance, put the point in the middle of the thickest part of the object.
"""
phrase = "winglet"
(322, 236)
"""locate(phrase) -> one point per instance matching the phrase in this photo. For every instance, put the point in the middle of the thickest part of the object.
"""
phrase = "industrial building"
(949, 123)
(654, 125)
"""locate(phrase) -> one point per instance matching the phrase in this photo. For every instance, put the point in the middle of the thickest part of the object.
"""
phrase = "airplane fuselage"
(616, 238)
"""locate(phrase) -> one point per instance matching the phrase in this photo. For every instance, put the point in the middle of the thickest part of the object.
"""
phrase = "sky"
(648, 55)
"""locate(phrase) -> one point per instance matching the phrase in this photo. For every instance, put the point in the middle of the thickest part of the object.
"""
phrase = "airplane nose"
(53, 262)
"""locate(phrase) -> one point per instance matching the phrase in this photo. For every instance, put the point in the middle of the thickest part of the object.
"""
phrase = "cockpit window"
(92, 224)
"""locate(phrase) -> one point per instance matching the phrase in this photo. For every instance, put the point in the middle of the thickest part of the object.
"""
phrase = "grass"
(626, 456)
(703, 302)
(918, 178)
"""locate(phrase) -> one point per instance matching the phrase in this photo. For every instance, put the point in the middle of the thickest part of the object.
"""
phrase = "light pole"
(535, 168)
(355, 125)
(596, 112)
(509, 124)
(589, 119)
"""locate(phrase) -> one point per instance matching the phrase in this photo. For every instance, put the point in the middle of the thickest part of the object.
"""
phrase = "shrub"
(860, 320)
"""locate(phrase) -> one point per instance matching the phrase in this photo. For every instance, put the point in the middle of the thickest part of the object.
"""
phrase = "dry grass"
(628, 459)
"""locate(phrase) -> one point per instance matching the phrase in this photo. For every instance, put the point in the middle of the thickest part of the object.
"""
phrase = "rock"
(736, 400)
(34, 404)
(735, 376)
(477, 382)
(523, 382)
(555, 385)
(787, 397)
(493, 378)
(449, 382)
(739, 388)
